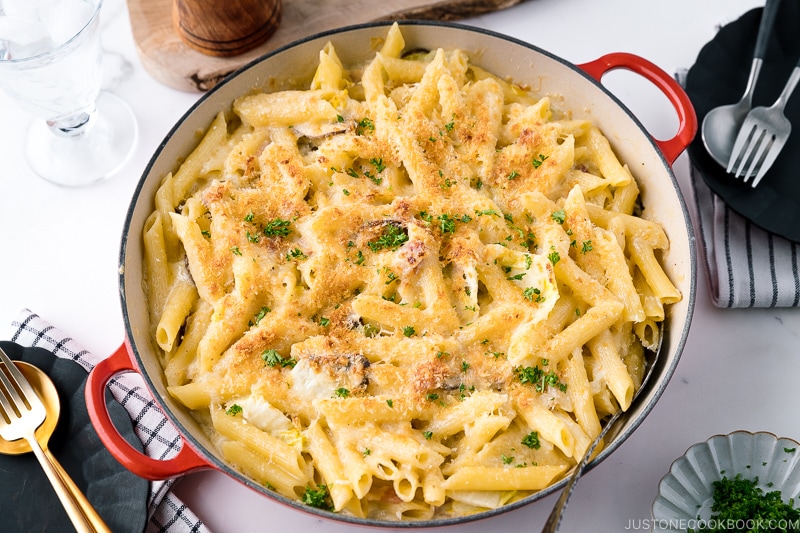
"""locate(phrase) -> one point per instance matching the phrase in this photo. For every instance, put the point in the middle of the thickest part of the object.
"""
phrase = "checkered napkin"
(160, 439)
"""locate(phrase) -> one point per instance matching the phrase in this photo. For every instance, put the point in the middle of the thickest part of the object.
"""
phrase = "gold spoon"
(46, 390)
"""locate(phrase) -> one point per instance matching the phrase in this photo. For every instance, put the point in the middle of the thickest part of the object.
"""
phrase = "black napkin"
(749, 236)
(27, 500)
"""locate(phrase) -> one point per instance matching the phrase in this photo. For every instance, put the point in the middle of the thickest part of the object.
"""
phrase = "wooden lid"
(225, 28)
(169, 57)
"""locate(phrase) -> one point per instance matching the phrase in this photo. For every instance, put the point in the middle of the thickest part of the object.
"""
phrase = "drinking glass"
(51, 64)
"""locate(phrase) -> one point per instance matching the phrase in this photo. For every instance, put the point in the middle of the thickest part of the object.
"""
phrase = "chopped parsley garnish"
(462, 389)
(296, 253)
(324, 321)
(272, 358)
(342, 392)
(741, 501)
(513, 175)
(432, 396)
(554, 256)
(447, 224)
(236, 250)
(377, 162)
(506, 459)
(390, 277)
(261, 314)
(427, 434)
(249, 217)
(277, 228)
(392, 238)
(375, 179)
(365, 125)
(531, 440)
(559, 216)
(586, 247)
(532, 294)
(233, 410)
(390, 403)
(408, 331)
(319, 498)
(539, 378)
(537, 161)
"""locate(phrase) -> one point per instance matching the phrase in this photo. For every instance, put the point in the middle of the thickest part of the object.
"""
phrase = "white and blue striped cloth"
(746, 266)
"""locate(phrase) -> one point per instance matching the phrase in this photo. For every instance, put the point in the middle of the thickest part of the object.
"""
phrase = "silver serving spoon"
(721, 124)
(554, 519)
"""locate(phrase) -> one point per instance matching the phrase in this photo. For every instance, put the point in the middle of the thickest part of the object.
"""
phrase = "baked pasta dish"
(407, 290)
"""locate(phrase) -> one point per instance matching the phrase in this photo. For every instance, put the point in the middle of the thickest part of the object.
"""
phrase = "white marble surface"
(59, 248)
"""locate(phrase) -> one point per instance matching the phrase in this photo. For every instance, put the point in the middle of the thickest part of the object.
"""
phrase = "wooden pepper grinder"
(225, 28)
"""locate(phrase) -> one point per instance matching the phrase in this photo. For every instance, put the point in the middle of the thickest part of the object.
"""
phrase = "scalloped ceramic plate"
(685, 494)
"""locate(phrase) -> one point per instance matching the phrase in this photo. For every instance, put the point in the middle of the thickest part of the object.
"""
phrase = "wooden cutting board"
(172, 62)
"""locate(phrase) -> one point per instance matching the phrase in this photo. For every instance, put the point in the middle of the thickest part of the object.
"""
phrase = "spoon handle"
(768, 15)
(765, 27)
(554, 519)
(83, 516)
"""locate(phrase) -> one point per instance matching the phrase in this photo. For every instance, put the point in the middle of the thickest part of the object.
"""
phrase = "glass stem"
(74, 124)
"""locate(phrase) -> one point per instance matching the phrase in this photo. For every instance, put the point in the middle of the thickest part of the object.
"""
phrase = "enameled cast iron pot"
(578, 88)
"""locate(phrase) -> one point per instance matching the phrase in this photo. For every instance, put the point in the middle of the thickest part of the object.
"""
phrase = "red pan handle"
(687, 119)
(187, 460)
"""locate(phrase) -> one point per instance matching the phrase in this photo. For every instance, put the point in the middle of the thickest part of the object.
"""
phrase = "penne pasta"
(403, 289)
(486, 478)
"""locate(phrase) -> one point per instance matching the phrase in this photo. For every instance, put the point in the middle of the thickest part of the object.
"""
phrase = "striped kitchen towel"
(160, 439)
(746, 266)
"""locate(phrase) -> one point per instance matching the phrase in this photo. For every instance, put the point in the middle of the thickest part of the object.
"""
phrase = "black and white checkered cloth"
(160, 439)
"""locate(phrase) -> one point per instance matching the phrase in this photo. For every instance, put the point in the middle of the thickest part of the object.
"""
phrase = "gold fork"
(21, 412)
